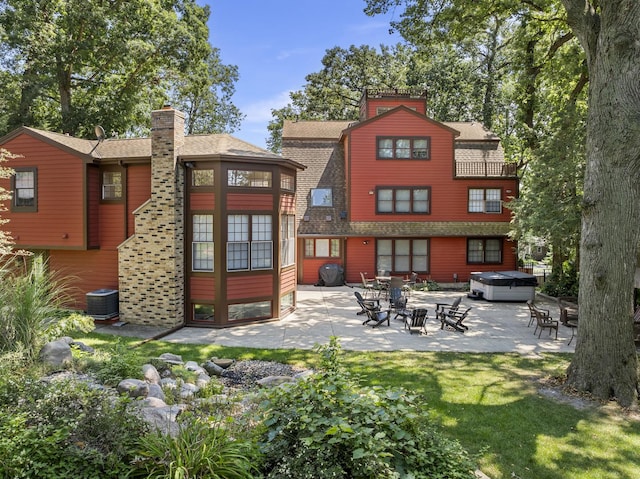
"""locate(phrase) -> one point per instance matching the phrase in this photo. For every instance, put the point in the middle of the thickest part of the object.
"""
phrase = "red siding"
(449, 196)
(93, 198)
(288, 204)
(287, 280)
(243, 202)
(138, 191)
(373, 103)
(59, 220)
(111, 225)
(87, 270)
(243, 287)
(202, 288)
(202, 201)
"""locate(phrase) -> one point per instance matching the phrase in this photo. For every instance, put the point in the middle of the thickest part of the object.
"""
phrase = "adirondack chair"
(416, 323)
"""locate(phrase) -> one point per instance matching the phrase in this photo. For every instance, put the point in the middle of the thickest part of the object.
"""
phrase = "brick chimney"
(151, 262)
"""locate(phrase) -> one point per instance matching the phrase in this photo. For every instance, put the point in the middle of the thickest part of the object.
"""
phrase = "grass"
(491, 403)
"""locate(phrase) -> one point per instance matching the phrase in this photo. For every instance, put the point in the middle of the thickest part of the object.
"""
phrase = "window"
(403, 200)
(487, 250)
(286, 302)
(249, 178)
(111, 185)
(322, 248)
(403, 148)
(403, 255)
(25, 189)
(485, 200)
(259, 309)
(249, 242)
(202, 245)
(321, 197)
(201, 178)
(203, 312)
(287, 182)
(287, 240)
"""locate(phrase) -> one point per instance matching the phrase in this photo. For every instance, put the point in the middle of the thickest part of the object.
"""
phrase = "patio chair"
(443, 308)
(532, 314)
(366, 304)
(410, 284)
(544, 321)
(397, 300)
(376, 317)
(417, 322)
(568, 306)
(370, 286)
(453, 320)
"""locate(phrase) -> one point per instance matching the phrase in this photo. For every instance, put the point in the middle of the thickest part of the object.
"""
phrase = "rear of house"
(400, 192)
(195, 230)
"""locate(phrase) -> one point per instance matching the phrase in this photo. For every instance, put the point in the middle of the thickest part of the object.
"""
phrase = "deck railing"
(486, 169)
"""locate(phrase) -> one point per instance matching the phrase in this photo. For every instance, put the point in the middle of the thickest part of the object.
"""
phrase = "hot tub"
(503, 286)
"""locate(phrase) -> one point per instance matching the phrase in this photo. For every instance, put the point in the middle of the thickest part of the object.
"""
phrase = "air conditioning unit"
(102, 304)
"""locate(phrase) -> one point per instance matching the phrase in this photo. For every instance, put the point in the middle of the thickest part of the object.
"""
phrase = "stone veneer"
(151, 262)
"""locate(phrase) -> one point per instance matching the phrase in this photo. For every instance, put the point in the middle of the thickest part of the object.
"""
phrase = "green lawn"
(491, 403)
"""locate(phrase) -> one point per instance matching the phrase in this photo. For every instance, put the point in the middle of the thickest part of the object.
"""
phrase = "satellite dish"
(99, 131)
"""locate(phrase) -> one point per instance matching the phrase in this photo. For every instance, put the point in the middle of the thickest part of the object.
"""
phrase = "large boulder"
(57, 353)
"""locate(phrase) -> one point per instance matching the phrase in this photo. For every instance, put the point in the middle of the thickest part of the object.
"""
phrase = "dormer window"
(403, 148)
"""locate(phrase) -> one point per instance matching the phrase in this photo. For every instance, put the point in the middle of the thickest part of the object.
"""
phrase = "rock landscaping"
(236, 377)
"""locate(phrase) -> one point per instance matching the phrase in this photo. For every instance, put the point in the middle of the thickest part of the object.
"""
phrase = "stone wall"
(151, 262)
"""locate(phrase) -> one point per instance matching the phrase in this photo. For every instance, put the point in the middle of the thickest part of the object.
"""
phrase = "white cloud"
(260, 111)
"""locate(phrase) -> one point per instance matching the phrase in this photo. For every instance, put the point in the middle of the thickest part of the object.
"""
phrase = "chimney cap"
(166, 106)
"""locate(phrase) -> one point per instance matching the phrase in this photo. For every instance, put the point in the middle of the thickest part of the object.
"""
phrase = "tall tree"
(79, 63)
(5, 172)
(334, 92)
(605, 363)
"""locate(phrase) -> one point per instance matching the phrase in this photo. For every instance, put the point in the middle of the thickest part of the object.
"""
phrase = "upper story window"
(403, 148)
(321, 197)
(287, 182)
(484, 250)
(403, 200)
(249, 178)
(111, 185)
(201, 178)
(25, 189)
(485, 200)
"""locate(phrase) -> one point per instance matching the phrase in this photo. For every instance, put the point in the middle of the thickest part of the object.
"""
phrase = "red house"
(195, 230)
(400, 192)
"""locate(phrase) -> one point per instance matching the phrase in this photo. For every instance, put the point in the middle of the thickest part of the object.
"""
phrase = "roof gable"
(395, 111)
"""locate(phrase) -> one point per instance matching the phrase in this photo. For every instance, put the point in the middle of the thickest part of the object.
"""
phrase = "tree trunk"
(605, 361)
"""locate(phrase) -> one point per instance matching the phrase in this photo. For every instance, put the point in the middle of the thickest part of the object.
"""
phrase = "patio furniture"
(376, 317)
(409, 284)
(568, 306)
(366, 304)
(441, 308)
(544, 321)
(532, 314)
(370, 286)
(453, 319)
(416, 323)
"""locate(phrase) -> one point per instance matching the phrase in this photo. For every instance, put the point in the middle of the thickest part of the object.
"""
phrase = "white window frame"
(485, 200)
(321, 197)
(202, 251)
(287, 240)
(249, 242)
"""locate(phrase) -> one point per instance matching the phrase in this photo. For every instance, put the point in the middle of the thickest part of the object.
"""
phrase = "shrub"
(65, 429)
(329, 426)
(200, 449)
(118, 363)
(32, 311)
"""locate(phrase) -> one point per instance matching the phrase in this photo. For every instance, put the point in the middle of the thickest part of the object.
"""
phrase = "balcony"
(485, 169)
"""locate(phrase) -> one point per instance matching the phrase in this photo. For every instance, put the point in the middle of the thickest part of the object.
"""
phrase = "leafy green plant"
(32, 310)
(200, 449)
(65, 429)
(329, 426)
(120, 363)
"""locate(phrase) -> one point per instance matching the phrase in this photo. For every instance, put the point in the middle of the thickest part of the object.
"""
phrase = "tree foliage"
(5, 196)
(74, 64)
(334, 92)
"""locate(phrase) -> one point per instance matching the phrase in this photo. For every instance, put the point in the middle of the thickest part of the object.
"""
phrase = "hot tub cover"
(505, 278)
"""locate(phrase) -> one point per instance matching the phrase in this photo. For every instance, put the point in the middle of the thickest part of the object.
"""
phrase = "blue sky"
(276, 43)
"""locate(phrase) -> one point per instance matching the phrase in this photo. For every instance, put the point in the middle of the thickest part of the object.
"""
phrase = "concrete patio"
(323, 312)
